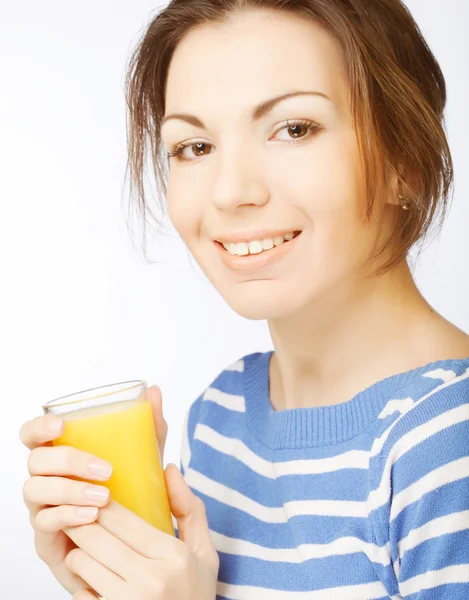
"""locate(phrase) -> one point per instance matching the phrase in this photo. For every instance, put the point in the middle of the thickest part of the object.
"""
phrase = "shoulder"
(226, 389)
(437, 396)
(424, 452)
(224, 393)
(426, 444)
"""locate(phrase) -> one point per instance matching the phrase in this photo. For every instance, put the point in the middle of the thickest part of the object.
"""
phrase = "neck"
(350, 338)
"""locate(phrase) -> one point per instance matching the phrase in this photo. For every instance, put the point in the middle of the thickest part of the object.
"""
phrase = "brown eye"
(199, 147)
(179, 149)
(297, 130)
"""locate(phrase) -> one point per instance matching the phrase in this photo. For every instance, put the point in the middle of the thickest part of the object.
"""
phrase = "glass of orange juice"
(115, 422)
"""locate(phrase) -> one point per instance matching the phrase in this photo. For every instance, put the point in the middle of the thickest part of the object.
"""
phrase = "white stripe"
(426, 430)
(237, 366)
(342, 546)
(431, 579)
(234, 447)
(229, 401)
(435, 528)
(445, 374)
(456, 469)
(269, 514)
(345, 592)
(299, 554)
(400, 405)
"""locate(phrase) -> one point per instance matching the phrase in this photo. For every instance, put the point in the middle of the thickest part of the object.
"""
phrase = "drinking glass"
(115, 422)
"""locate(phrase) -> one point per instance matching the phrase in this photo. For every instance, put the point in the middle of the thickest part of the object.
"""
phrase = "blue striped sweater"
(364, 500)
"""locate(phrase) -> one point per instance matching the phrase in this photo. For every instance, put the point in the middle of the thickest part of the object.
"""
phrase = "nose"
(239, 184)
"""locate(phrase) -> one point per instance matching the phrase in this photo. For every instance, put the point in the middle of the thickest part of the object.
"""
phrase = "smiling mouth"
(257, 249)
(258, 262)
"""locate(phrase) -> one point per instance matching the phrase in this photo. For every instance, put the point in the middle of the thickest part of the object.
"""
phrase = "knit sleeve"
(429, 509)
(188, 428)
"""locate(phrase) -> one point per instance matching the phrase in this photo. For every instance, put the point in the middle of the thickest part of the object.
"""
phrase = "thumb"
(161, 427)
(189, 511)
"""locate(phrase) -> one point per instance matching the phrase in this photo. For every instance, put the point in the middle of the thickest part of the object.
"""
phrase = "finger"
(97, 576)
(136, 533)
(66, 460)
(161, 426)
(61, 490)
(41, 430)
(106, 549)
(53, 519)
(190, 513)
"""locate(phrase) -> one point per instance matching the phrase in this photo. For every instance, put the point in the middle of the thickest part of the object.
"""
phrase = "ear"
(394, 186)
(396, 178)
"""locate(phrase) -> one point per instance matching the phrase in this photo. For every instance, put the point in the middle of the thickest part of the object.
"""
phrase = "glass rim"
(54, 403)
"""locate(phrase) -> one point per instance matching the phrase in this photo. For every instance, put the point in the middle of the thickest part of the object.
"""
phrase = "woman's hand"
(122, 557)
(54, 499)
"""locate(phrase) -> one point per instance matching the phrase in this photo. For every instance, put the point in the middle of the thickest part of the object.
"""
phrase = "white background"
(80, 306)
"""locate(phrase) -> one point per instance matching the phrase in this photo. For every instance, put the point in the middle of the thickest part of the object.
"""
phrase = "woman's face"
(243, 178)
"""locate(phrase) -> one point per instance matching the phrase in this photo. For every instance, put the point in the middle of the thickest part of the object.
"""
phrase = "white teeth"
(278, 241)
(242, 249)
(257, 246)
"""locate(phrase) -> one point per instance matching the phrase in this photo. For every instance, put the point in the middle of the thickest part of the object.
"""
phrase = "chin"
(257, 306)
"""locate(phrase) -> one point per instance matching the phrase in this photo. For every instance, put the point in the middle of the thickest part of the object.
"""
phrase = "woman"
(307, 155)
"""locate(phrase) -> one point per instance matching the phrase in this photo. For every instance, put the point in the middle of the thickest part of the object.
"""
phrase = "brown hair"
(398, 95)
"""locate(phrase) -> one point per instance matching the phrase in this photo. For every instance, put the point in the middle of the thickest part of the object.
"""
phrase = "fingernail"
(87, 512)
(100, 468)
(56, 425)
(97, 494)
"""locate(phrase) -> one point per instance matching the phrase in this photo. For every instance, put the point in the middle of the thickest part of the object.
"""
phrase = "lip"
(256, 261)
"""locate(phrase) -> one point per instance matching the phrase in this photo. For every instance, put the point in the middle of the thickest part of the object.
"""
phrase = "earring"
(405, 204)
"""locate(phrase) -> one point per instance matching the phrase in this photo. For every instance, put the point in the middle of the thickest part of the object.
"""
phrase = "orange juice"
(124, 434)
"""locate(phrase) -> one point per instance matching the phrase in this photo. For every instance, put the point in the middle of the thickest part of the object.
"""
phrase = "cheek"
(339, 174)
(324, 178)
(184, 211)
(338, 208)
(342, 241)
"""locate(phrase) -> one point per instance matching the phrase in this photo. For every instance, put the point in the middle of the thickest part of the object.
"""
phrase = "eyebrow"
(257, 113)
